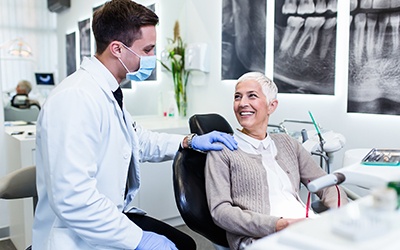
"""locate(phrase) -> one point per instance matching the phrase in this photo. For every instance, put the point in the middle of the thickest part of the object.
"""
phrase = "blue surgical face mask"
(147, 64)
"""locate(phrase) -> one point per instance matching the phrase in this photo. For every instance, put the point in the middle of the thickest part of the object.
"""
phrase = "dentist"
(88, 152)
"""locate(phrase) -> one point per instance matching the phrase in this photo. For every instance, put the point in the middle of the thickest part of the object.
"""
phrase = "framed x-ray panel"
(84, 38)
(71, 52)
(374, 56)
(243, 37)
(305, 46)
(153, 75)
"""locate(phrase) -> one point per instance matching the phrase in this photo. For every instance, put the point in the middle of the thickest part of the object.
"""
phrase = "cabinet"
(156, 195)
(20, 151)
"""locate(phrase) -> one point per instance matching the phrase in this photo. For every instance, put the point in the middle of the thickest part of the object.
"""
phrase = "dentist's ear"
(115, 48)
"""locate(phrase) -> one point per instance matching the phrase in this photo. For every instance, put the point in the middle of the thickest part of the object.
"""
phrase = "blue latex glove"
(155, 241)
(205, 142)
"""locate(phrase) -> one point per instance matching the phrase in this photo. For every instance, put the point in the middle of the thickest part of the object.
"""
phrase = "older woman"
(21, 98)
(254, 191)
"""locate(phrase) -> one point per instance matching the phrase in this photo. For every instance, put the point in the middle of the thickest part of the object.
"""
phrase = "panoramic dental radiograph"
(305, 46)
(374, 71)
(243, 37)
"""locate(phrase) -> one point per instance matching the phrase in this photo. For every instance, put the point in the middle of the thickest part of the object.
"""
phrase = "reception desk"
(20, 153)
(156, 185)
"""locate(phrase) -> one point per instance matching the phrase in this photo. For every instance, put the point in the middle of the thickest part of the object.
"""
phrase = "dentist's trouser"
(181, 240)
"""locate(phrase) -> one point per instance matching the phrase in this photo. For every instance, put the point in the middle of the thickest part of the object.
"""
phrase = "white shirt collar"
(252, 142)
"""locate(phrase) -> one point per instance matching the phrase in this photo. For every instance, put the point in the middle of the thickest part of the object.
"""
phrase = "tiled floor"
(201, 242)
(6, 245)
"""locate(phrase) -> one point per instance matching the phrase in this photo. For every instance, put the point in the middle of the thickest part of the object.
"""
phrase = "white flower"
(170, 47)
(177, 57)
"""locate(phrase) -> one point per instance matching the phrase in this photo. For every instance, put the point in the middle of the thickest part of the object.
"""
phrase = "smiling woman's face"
(252, 109)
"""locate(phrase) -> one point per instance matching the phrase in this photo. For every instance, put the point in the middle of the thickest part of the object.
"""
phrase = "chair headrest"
(204, 123)
(20, 100)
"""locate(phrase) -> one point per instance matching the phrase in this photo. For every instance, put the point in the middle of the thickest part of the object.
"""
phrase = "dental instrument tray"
(382, 157)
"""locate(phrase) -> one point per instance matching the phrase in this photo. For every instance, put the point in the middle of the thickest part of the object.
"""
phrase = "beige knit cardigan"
(237, 188)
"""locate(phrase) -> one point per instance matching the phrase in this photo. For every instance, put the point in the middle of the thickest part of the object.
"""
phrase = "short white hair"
(268, 87)
(25, 85)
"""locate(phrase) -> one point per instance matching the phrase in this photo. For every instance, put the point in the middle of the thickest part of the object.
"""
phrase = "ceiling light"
(20, 48)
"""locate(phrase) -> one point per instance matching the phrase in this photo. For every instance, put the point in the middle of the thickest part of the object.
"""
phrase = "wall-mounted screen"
(44, 79)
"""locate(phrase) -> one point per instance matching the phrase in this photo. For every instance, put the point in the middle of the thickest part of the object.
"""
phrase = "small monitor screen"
(44, 79)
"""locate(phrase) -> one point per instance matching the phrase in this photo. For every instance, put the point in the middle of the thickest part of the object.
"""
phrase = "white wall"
(147, 91)
(36, 25)
(31, 21)
(3, 204)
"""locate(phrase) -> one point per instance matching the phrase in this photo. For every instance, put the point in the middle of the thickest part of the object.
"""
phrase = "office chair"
(189, 182)
(21, 114)
(19, 184)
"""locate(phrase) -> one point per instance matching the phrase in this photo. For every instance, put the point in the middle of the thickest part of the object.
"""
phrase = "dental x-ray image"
(374, 56)
(305, 46)
(70, 53)
(84, 41)
(153, 75)
(243, 37)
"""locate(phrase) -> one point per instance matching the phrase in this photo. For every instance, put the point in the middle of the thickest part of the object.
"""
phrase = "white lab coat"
(84, 150)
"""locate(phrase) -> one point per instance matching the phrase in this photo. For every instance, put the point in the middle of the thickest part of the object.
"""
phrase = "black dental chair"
(189, 182)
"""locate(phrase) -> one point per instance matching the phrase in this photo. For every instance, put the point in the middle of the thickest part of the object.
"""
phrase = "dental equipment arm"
(333, 142)
(326, 181)
(367, 177)
(317, 129)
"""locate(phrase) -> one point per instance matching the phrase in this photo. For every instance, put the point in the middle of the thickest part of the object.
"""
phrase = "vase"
(182, 107)
(181, 103)
(180, 81)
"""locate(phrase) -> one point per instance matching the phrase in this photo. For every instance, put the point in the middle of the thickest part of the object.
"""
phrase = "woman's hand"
(283, 223)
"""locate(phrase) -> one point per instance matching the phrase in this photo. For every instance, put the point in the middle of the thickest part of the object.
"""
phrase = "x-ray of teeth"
(243, 37)
(374, 57)
(305, 46)
(84, 34)
(70, 53)
(305, 7)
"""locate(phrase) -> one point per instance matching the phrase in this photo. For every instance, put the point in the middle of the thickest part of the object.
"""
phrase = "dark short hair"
(120, 20)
